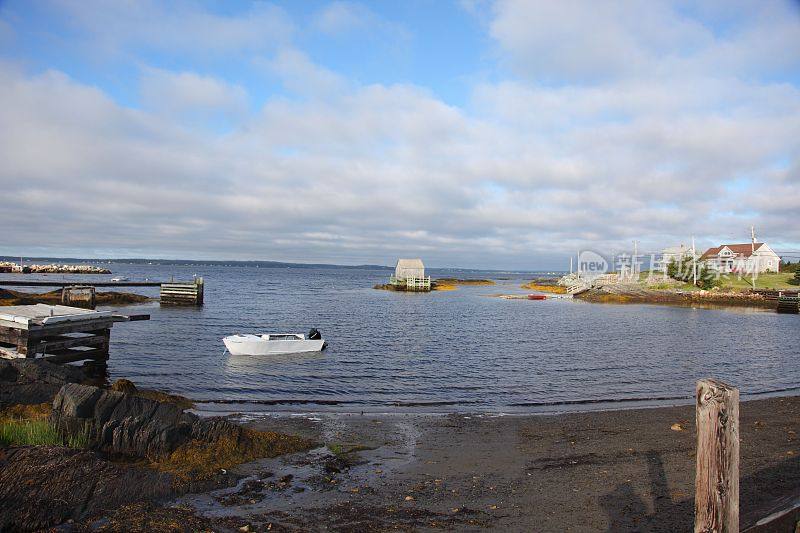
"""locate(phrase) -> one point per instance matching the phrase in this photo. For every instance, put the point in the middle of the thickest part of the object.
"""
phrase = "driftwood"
(717, 483)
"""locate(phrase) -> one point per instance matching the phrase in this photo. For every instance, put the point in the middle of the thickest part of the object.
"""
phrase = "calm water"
(443, 351)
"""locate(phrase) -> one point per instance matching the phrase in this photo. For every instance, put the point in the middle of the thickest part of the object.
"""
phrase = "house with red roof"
(742, 258)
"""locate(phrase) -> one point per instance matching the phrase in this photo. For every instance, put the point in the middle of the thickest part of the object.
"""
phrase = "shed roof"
(409, 263)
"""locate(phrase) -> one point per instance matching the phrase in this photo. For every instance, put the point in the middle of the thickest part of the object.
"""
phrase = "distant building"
(409, 268)
(742, 258)
(409, 274)
(679, 254)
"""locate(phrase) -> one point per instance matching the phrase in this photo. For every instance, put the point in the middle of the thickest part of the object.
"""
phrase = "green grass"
(36, 433)
(763, 281)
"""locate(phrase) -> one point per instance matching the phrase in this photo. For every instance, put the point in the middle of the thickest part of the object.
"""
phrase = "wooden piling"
(183, 293)
(83, 296)
(788, 304)
(716, 503)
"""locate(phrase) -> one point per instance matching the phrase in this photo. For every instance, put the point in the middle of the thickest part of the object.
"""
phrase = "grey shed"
(409, 268)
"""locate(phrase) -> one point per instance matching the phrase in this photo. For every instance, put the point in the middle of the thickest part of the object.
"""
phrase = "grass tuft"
(29, 433)
(28, 425)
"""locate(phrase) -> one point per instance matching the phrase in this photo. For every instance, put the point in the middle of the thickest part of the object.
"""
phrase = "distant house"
(744, 258)
(409, 268)
(678, 254)
(409, 274)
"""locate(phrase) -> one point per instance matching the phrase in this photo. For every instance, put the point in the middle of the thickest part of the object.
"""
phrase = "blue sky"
(479, 133)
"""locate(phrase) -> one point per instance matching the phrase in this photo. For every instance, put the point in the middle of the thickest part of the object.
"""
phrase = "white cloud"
(188, 93)
(655, 147)
(179, 27)
(575, 41)
(339, 17)
(300, 75)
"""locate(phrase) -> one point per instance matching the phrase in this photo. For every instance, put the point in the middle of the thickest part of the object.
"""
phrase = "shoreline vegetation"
(10, 297)
(729, 292)
(441, 284)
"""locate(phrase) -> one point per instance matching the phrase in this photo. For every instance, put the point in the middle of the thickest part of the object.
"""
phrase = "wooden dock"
(177, 293)
(789, 304)
(171, 293)
(60, 334)
(773, 294)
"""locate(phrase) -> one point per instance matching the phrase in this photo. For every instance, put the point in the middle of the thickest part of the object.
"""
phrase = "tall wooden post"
(716, 503)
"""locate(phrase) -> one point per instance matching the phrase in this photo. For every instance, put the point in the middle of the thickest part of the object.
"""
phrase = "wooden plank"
(12, 335)
(53, 345)
(72, 356)
(716, 503)
(77, 326)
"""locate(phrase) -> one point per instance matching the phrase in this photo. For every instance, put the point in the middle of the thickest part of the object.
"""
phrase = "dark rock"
(44, 485)
(126, 424)
(32, 381)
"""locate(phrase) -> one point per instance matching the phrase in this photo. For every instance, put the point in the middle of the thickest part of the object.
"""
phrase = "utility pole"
(753, 259)
(694, 263)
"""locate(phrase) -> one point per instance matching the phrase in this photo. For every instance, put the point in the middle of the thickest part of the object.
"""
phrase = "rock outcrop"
(126, 424)
(43, 485)
(33, 381)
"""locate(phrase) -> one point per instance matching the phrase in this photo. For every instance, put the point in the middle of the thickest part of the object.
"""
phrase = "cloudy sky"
(499, 134)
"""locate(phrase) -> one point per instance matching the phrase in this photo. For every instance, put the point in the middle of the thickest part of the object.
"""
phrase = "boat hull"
(258, 346)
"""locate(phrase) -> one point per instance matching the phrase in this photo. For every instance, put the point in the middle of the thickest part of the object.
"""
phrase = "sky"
(503, 134)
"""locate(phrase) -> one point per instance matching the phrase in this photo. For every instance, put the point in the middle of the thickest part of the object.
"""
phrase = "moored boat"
(280, 343)
(537, 297)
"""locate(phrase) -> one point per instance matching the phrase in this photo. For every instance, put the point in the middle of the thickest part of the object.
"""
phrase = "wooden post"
(716, 503)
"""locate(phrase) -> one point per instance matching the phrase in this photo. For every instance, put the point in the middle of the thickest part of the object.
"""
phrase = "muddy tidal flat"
(629, 470)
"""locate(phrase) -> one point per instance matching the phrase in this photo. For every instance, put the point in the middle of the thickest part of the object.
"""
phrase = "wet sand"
(625, 470)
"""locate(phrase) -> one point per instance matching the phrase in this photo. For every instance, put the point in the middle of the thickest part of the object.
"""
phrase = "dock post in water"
(84, 296)
(183, 293)
(716, 503)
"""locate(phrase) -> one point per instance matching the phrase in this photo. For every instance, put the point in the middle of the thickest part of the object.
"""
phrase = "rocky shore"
(11, 297)
(636, 293)
(121, 447)
(6, 266)
(146, 464)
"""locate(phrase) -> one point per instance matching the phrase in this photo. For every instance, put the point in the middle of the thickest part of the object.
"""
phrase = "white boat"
(120, 278)
(272, 343)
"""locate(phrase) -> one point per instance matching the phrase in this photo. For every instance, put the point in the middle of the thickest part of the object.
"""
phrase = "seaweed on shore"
(542, 286)
(201, 460)
(10, 297)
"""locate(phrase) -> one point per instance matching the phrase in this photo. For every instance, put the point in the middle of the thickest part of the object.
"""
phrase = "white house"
(742, 258)
(680, 254)
(409, 268)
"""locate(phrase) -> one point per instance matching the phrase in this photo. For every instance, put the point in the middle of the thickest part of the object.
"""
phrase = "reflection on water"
(245, 364)
(455, 350)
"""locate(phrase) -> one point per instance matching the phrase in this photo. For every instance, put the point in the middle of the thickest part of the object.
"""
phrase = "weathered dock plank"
(60, 333)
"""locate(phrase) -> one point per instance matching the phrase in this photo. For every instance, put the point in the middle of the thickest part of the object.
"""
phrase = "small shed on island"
(409, 268)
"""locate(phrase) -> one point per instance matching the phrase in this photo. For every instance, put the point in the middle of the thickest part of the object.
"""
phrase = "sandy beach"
(628, 470)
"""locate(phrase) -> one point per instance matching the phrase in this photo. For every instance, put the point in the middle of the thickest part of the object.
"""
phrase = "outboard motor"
(314, 334)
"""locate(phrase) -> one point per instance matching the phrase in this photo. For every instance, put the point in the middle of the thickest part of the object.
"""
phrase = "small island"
(409, 276)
